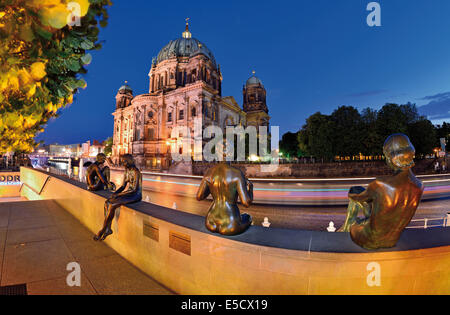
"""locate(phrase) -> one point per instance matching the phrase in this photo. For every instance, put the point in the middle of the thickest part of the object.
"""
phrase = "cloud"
(367, 93)
(438, 107)
(437, 97)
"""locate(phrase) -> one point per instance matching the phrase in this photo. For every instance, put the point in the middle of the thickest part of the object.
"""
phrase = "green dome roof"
(254, 81)
(185, 47)
(126, 88)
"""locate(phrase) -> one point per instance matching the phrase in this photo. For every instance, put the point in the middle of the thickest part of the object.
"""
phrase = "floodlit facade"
(185, 85)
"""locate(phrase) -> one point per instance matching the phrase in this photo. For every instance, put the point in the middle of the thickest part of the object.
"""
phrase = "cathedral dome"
(185, 47)
(126, 88)
(254, 81)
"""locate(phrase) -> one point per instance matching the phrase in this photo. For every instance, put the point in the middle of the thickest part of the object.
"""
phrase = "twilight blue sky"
(312, 55)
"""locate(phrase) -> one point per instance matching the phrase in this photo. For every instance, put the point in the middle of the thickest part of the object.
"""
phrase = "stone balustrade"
(176, 250)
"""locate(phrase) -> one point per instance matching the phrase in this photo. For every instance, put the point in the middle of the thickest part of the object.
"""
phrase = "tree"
(393, 118)
(372, 142)
(347, 131)
(443, 131)
(317, 136)
(289, 145)
(42, 59)
(422, 134)
(108, 146)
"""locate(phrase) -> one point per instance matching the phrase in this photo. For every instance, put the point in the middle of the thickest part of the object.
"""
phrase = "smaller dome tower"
(124, 96)
(255, 102)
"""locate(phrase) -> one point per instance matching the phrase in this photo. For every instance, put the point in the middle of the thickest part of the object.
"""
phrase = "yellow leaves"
(26, 34)
(24, 77)
(52, 108)
(13, 82)
(84, 6)
(54, 16)
(2, 14)
(57, 13)
(30, 121)
(31, 91)
(38, 71)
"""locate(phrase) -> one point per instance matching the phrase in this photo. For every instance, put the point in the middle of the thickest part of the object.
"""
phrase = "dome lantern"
(187, 33)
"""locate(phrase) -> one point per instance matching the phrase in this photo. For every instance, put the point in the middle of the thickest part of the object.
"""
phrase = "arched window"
(194, 112)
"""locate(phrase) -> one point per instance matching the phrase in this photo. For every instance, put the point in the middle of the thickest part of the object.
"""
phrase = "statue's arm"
(100, 175)
(122, 188)
(203, 191)
(138, 182)
(245, 195)
(365, 196)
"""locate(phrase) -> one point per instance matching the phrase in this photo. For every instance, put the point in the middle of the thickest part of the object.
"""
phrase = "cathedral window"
(194, 112)
(151, 134)
(169, 117)
(181, 114)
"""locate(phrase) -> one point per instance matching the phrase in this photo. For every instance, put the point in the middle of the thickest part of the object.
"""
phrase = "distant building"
(185, 85)
(70, 150)
(92, 150)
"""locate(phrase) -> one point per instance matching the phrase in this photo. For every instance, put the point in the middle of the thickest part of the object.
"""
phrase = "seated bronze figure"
(123, 196)
(389, 203)
(98, 176)
(226, 183)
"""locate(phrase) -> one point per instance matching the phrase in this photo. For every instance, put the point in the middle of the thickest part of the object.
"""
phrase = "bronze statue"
(389, 203)
(132, 180)
(226, 183)
(98, 176)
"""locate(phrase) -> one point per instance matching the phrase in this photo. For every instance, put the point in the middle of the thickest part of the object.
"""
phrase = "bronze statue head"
(101, 158)
(399, 152)
(127, 160)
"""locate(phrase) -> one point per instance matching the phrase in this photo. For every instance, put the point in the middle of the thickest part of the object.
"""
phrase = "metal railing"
(430, 223)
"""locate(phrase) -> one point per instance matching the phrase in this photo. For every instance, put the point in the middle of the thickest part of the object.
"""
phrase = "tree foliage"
(108, 146)
(289, 145)
(348, 133)
(42, 59)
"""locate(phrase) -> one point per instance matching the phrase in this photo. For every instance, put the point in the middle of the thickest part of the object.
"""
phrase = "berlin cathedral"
(185, 85)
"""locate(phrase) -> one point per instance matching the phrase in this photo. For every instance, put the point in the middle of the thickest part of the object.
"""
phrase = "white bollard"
(174, 206)
(266, 223)
(147, 199)
(331, 228)
(448, 219)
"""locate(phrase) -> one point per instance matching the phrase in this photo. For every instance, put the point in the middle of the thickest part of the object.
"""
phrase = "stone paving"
(38, 239)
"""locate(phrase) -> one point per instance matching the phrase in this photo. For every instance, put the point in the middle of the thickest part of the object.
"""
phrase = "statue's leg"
(113, 205)
(238, 226)
(246, 222)
(107, 173)
(106, 210)
(211, 223)
(352, 212)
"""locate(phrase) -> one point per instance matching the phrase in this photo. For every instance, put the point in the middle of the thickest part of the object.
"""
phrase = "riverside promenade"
(38, 239)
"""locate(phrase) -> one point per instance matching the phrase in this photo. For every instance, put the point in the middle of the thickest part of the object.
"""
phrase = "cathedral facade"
(185, 85)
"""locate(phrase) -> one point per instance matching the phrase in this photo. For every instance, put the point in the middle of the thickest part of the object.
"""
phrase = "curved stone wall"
(175, 249)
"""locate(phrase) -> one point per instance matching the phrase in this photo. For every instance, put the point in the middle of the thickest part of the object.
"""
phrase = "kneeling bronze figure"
(389, 203)
(132, 180)
(226, 183)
